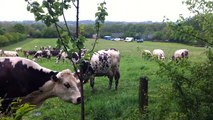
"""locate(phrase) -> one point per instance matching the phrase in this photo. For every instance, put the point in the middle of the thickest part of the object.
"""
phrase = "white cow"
(179, 54)
(158, 53)
(8, 53)
(19, 49)
(146, 53)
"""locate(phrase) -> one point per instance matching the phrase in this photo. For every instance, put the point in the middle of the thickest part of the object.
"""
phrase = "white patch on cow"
(148, 52)
(159, 53)
(181, 53)
(8, 53)
(19, 49)
(71, 94)
(27, 62)
(37, 97)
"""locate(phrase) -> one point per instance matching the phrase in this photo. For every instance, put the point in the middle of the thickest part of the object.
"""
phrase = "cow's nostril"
(79, 100)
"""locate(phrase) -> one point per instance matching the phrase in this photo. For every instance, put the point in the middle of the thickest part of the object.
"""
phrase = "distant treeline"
(11, 37)
(148, 31)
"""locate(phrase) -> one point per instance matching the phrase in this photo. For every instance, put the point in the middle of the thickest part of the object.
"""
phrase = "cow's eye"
(67, 85)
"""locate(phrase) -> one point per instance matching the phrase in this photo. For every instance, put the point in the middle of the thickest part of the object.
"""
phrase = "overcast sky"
(118, 10)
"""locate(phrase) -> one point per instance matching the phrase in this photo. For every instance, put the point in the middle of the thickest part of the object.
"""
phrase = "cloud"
(118, 10)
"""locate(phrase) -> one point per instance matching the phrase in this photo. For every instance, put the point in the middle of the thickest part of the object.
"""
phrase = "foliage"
(19, 28)
(20, 111)
(50, 11)
(2, 31)
(191, 84)
(190, 90)
(12, 37)
(198, 29)
(49, 32)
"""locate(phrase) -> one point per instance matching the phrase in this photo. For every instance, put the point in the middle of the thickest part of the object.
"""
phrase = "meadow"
(105, 104)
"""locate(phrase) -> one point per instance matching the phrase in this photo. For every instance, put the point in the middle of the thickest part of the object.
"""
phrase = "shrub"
(3, 40)
(190, 93)
(20, 111)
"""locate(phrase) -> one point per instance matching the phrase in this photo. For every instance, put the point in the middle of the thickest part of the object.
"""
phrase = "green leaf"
(28, 8)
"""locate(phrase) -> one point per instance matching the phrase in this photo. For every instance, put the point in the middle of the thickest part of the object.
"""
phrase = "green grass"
(104, 104)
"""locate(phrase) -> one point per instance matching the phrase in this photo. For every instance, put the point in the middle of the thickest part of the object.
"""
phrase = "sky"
(118, 10)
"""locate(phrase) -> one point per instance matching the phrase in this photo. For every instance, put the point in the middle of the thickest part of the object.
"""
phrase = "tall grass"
(104, 104)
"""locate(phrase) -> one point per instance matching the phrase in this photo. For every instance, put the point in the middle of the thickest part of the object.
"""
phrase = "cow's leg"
(92, 79)
(117, 77)
(110, 81)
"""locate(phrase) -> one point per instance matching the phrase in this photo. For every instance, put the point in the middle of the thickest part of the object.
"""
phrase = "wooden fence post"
(143, 94)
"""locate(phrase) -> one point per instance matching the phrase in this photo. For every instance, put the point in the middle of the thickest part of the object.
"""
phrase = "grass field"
(104, 104)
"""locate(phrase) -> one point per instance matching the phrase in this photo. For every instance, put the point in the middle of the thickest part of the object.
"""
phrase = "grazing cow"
(147, 53)
(181, 53)
(8, 53)
(29, 52)
(54, 52)
(25, 79)
(43, 53)
(61, 56)
(19, 49)
(102, 63)
(158, 53)
(75, 57)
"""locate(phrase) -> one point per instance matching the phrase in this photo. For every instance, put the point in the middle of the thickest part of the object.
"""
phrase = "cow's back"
(19, 76)
(114, 57)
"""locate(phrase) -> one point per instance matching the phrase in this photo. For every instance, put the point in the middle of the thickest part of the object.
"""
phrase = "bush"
(20, 111)
(3, 40)
(10, 38)
(189, 95)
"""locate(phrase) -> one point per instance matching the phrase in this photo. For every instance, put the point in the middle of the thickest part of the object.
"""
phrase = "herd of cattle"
(178, 54)
(24, 78)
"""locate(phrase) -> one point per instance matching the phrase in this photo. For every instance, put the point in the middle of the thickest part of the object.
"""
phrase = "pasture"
(104, 104)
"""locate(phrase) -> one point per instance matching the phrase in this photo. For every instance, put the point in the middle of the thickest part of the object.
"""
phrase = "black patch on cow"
(85, 67)
(75, 56)
(20, 80)
(86, 70)
(55, 52)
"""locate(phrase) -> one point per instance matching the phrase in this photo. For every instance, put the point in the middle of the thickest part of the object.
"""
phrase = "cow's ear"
(55, 78)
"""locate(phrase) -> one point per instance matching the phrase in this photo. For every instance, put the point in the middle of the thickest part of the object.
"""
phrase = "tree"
(2, 31)
(19, 28)
(49, 12)
(198, 28)
(3, 40)
(49, 32)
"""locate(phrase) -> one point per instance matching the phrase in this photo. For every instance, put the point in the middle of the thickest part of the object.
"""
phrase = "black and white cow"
(25, 79)
(74, 56)
(54, 52)
(42, 54)
(27, 53)
(102, 63)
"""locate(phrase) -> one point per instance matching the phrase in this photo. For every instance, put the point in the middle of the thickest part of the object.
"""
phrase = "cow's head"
(67, 87)
(86, 70)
